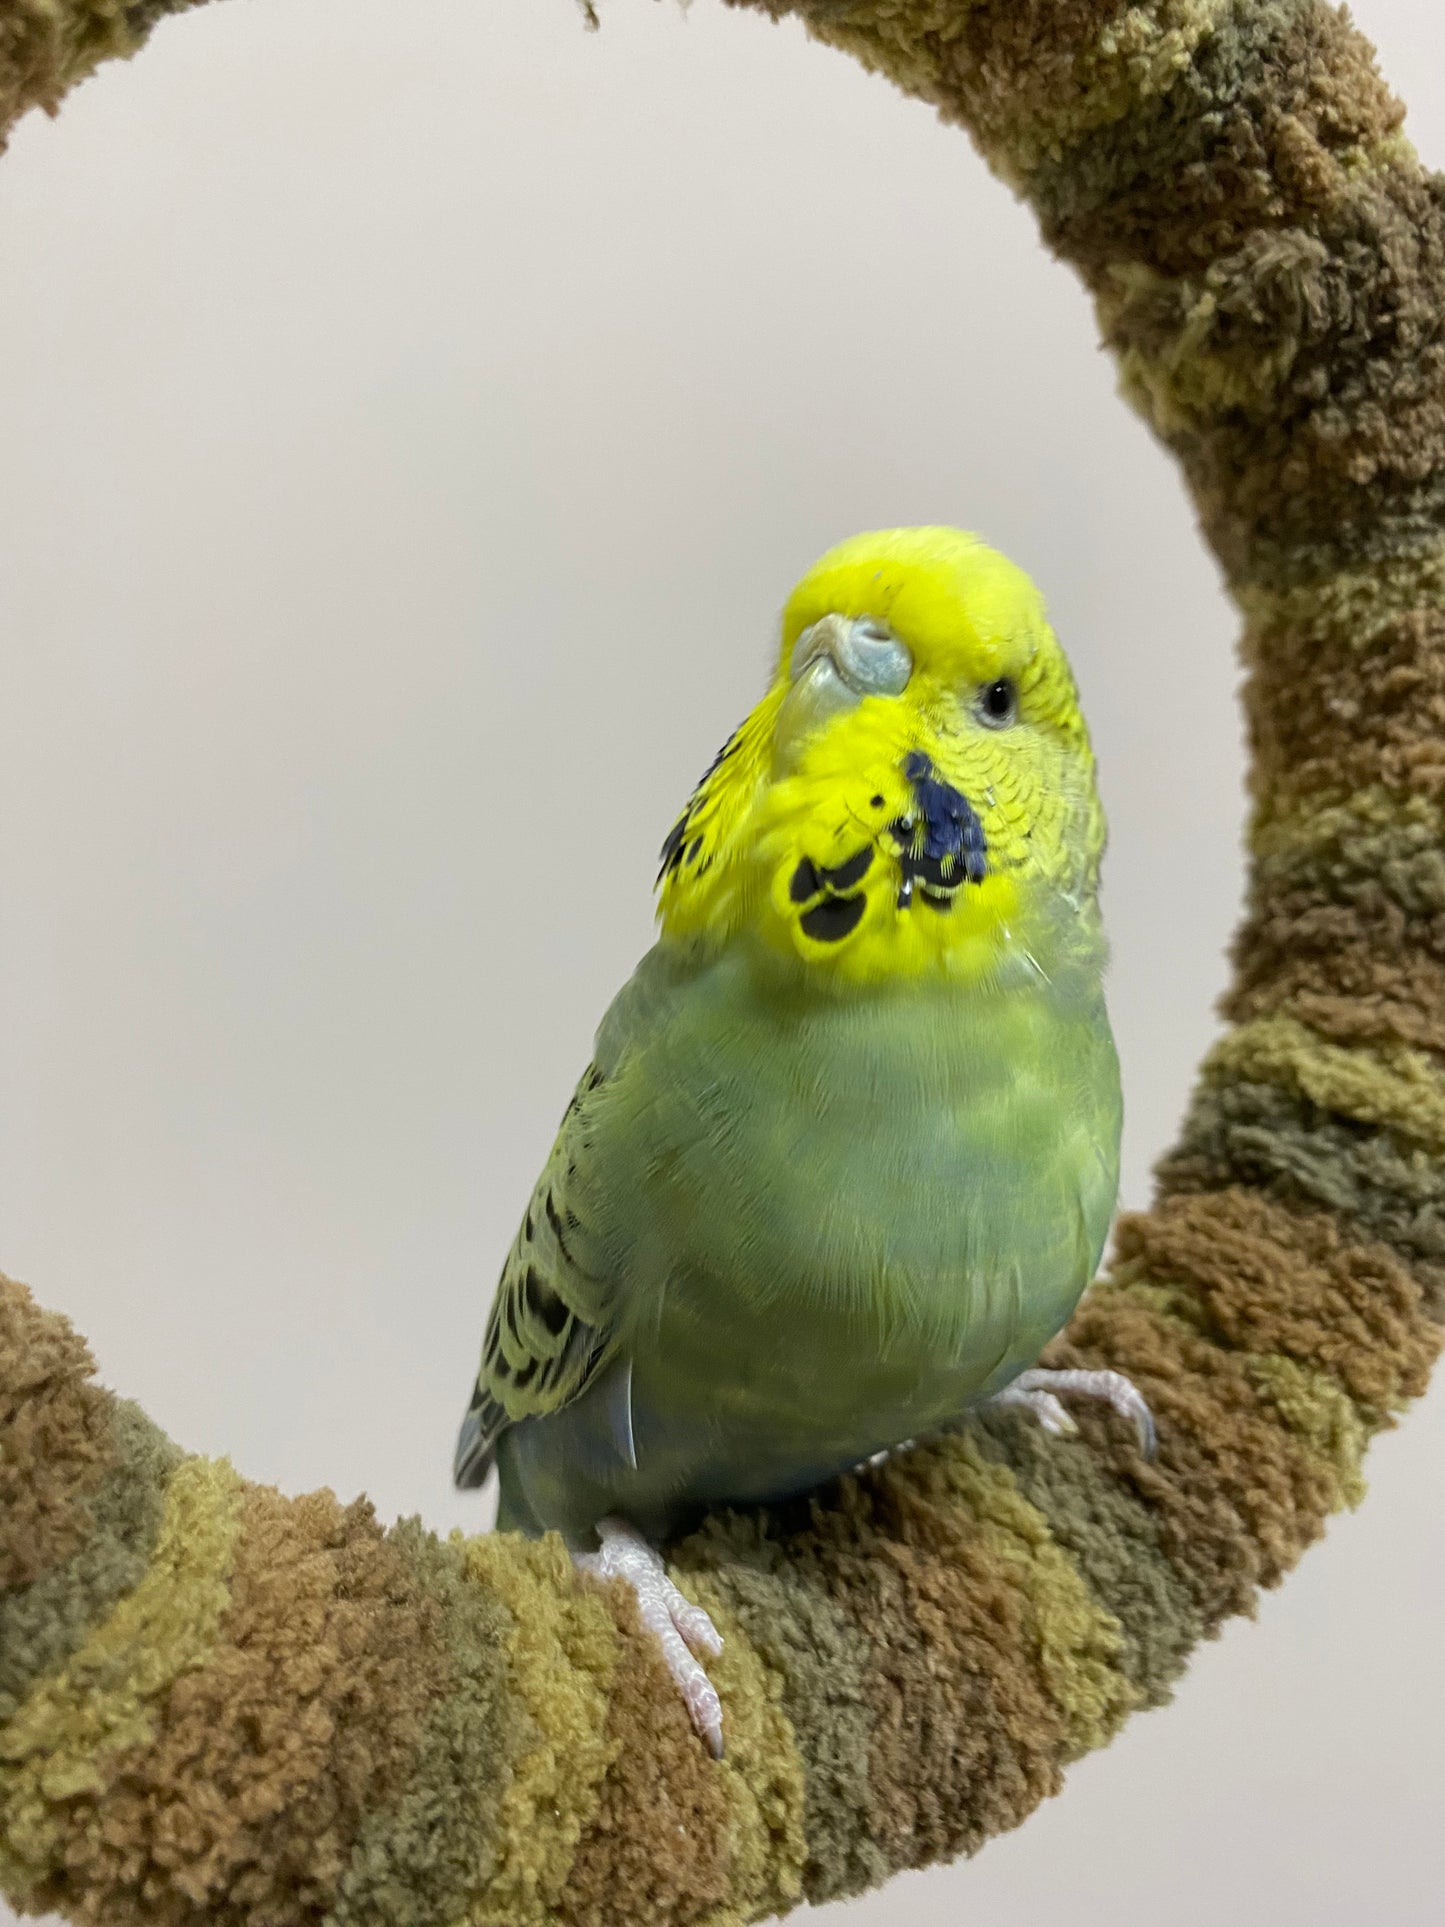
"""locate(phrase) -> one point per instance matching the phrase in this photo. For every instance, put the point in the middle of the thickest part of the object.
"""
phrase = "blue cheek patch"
(940, 842)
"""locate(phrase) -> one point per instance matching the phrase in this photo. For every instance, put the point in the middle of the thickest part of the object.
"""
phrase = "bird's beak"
(835, 664)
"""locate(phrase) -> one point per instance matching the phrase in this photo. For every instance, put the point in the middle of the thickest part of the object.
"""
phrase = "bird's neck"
(1046, 943)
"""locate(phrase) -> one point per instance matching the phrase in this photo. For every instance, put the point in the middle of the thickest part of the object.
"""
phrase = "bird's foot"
(682, 1629)
(1038, 1390)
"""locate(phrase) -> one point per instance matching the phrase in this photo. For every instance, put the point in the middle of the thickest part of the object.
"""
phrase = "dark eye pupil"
(999, 699)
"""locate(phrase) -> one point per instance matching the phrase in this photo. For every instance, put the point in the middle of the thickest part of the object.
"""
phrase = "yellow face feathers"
(915, 793)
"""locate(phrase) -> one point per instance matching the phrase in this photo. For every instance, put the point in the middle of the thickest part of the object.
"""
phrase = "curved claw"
(1038, 1390)
(1044, 1406)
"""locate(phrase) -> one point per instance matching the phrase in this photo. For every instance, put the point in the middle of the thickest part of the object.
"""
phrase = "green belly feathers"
(842, 1221)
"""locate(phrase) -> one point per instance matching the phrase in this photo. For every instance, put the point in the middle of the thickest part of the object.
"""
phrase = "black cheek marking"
(936, 870)
(543, 1302)
(875, 802)
(832, 919)
(849, 873)
(900, 833)
(805, 884)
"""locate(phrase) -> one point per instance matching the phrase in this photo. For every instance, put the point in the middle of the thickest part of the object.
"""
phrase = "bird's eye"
(998, 703)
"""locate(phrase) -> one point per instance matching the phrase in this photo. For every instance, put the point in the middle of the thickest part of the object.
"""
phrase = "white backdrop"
(412, 418)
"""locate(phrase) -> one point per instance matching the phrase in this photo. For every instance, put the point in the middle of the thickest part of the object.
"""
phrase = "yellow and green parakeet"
(848, 1148)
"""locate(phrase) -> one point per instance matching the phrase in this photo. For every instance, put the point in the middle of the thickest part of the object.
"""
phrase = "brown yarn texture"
(221, 1704)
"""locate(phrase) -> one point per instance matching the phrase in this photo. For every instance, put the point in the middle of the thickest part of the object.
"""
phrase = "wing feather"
(552, 1324)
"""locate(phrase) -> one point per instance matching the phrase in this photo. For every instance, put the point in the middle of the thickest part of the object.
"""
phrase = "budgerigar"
(847, 1151)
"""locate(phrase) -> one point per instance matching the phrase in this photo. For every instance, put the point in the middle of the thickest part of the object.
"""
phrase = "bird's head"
(915, 792)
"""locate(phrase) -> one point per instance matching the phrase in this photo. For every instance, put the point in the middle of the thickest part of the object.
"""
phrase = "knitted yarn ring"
(220, 1704)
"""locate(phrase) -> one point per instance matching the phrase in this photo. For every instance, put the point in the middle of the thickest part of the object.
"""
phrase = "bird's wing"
(552, 1323)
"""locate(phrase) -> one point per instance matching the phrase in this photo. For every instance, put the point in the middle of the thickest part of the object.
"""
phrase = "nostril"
(835, 662)
(872, 659)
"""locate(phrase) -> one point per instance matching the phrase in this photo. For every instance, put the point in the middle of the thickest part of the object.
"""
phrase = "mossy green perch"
(219, 1704)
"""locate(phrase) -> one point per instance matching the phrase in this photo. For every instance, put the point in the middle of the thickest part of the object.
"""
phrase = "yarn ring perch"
(218, 1703)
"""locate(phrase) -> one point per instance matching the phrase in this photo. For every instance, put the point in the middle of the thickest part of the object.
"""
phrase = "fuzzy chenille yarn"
(220, 1704)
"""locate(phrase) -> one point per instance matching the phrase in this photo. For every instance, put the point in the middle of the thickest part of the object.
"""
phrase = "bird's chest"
(872, 1213)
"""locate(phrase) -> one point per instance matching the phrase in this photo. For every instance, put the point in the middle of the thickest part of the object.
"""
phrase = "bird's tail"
(477, 1440)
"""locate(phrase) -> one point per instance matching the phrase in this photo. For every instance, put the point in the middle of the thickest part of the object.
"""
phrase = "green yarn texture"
(220, 1704)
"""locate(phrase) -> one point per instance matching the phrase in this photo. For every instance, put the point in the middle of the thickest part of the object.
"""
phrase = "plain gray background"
(413, 420)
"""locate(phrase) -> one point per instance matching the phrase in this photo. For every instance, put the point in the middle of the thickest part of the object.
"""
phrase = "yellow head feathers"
(915, 792)
(965, 610)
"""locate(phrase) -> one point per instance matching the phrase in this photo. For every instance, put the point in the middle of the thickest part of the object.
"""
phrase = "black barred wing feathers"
(707, 850)
(550, 1329)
